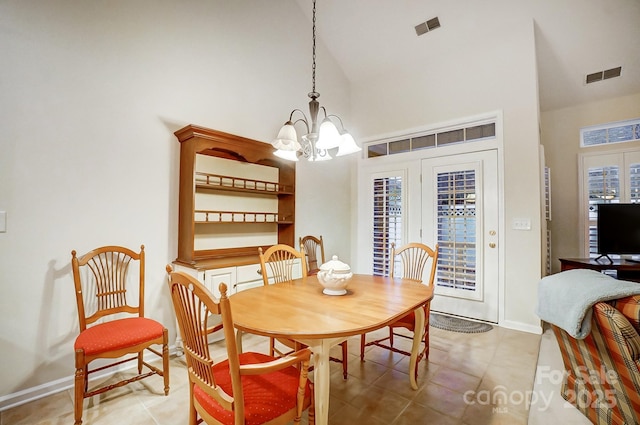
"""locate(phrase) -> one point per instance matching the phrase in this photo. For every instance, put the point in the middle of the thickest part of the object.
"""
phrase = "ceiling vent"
(427, 26)
(603, 75)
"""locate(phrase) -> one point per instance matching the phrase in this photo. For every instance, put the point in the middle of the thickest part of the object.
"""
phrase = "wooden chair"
(311, 246)
(111, 315)
(280, 259)
(247, 388)
(277, 262)
(414, 258)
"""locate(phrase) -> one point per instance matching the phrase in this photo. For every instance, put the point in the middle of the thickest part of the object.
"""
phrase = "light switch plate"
(521, 224)
(3, 221)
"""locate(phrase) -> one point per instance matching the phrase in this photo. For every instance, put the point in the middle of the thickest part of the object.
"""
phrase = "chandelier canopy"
(318, 139)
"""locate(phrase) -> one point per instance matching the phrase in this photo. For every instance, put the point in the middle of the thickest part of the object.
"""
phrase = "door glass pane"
(604, 188)
(634, 183)
(387, 220)
(456, 218)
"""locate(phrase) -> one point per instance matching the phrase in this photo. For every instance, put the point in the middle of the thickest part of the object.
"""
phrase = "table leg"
(415, 348)
(321, 374)
(321, 379)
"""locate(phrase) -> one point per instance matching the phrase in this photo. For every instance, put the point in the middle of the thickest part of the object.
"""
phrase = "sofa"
(602, 374)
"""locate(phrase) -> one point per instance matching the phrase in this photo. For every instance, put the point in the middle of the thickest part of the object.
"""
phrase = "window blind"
(387, 220)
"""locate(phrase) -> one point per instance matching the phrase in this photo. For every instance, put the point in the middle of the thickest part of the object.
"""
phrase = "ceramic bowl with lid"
(334, 275)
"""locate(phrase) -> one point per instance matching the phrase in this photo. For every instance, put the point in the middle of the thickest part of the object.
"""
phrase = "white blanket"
(566, 299)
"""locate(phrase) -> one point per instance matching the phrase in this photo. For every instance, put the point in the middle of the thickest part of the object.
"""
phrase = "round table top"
(299, 309)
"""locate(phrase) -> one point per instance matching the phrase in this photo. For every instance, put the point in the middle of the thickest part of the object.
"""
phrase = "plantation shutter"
(457, 229)
(387, 219)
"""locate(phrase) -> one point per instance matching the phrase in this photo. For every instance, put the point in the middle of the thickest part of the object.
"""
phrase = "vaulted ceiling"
(574, 38)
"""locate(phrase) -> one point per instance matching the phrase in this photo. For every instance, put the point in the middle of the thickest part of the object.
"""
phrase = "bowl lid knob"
(335, 264)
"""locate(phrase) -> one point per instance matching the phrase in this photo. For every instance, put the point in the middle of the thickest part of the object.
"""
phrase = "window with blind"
(388, 208)
(457, 229)
(608, 179)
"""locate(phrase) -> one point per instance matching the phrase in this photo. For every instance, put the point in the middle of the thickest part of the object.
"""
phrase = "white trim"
(53, 387)
(519, 326)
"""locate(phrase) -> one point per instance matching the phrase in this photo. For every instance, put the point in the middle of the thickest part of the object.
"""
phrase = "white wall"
(91, 95)
(493, 72)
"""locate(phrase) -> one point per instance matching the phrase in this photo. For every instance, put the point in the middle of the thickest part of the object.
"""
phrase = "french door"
(460, 213)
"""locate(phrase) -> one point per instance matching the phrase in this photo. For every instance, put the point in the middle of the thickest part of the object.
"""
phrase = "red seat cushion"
(265, 396)
(407, 321)
(118, 334)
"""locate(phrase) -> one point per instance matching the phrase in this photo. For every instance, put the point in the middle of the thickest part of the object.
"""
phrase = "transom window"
(432, 139)
(617, 132)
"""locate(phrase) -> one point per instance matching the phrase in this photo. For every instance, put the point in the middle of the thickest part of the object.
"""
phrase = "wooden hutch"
(234, 196)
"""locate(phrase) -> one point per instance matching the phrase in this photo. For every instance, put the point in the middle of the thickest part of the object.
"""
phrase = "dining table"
(299, 310)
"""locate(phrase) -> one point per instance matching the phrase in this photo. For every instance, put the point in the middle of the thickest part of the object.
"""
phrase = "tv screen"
(619, 229)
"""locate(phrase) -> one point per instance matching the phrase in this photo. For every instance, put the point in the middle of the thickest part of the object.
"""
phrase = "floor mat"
(457, 324)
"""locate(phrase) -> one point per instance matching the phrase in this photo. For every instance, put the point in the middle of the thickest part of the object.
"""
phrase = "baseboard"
(49, 388)
(519, 326)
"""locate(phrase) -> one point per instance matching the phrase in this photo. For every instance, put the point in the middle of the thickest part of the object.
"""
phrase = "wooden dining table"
(299, 310)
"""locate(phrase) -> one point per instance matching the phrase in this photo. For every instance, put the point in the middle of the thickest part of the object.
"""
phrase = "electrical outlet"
(521, 224)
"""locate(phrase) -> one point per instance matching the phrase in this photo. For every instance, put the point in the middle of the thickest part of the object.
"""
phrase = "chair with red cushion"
(109, 285)
(248, 388)
(413, 259)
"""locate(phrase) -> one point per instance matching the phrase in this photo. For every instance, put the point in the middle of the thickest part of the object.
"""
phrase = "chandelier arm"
(302, 120)
(335, 116)
(297, 110)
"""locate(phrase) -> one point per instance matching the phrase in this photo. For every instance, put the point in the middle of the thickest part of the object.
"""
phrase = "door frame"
(411, 161)
(485, 163)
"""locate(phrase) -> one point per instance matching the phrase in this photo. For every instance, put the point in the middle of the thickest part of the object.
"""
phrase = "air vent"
(603, 75)
(427, 26)
(611, 73)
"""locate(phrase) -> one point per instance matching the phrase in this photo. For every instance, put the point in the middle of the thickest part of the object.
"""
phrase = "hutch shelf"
(234, 196)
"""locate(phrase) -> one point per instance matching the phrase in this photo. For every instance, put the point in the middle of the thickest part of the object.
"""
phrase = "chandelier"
(318, 140)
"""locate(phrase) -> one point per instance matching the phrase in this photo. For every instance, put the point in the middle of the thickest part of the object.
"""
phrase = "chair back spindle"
(313, 246)
(280, 259)
(105, 284)
(414, 258)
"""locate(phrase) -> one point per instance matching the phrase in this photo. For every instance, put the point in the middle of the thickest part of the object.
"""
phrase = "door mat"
(456, 324)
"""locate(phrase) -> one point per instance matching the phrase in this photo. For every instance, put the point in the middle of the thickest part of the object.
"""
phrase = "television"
(618, 230)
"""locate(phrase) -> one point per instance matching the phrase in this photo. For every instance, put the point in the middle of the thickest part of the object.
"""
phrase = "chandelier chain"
(313, 67)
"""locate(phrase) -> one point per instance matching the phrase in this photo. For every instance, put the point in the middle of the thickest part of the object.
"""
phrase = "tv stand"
(625, 269)
(603, 256)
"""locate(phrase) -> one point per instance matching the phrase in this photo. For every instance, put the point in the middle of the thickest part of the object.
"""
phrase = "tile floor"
(497, 377)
